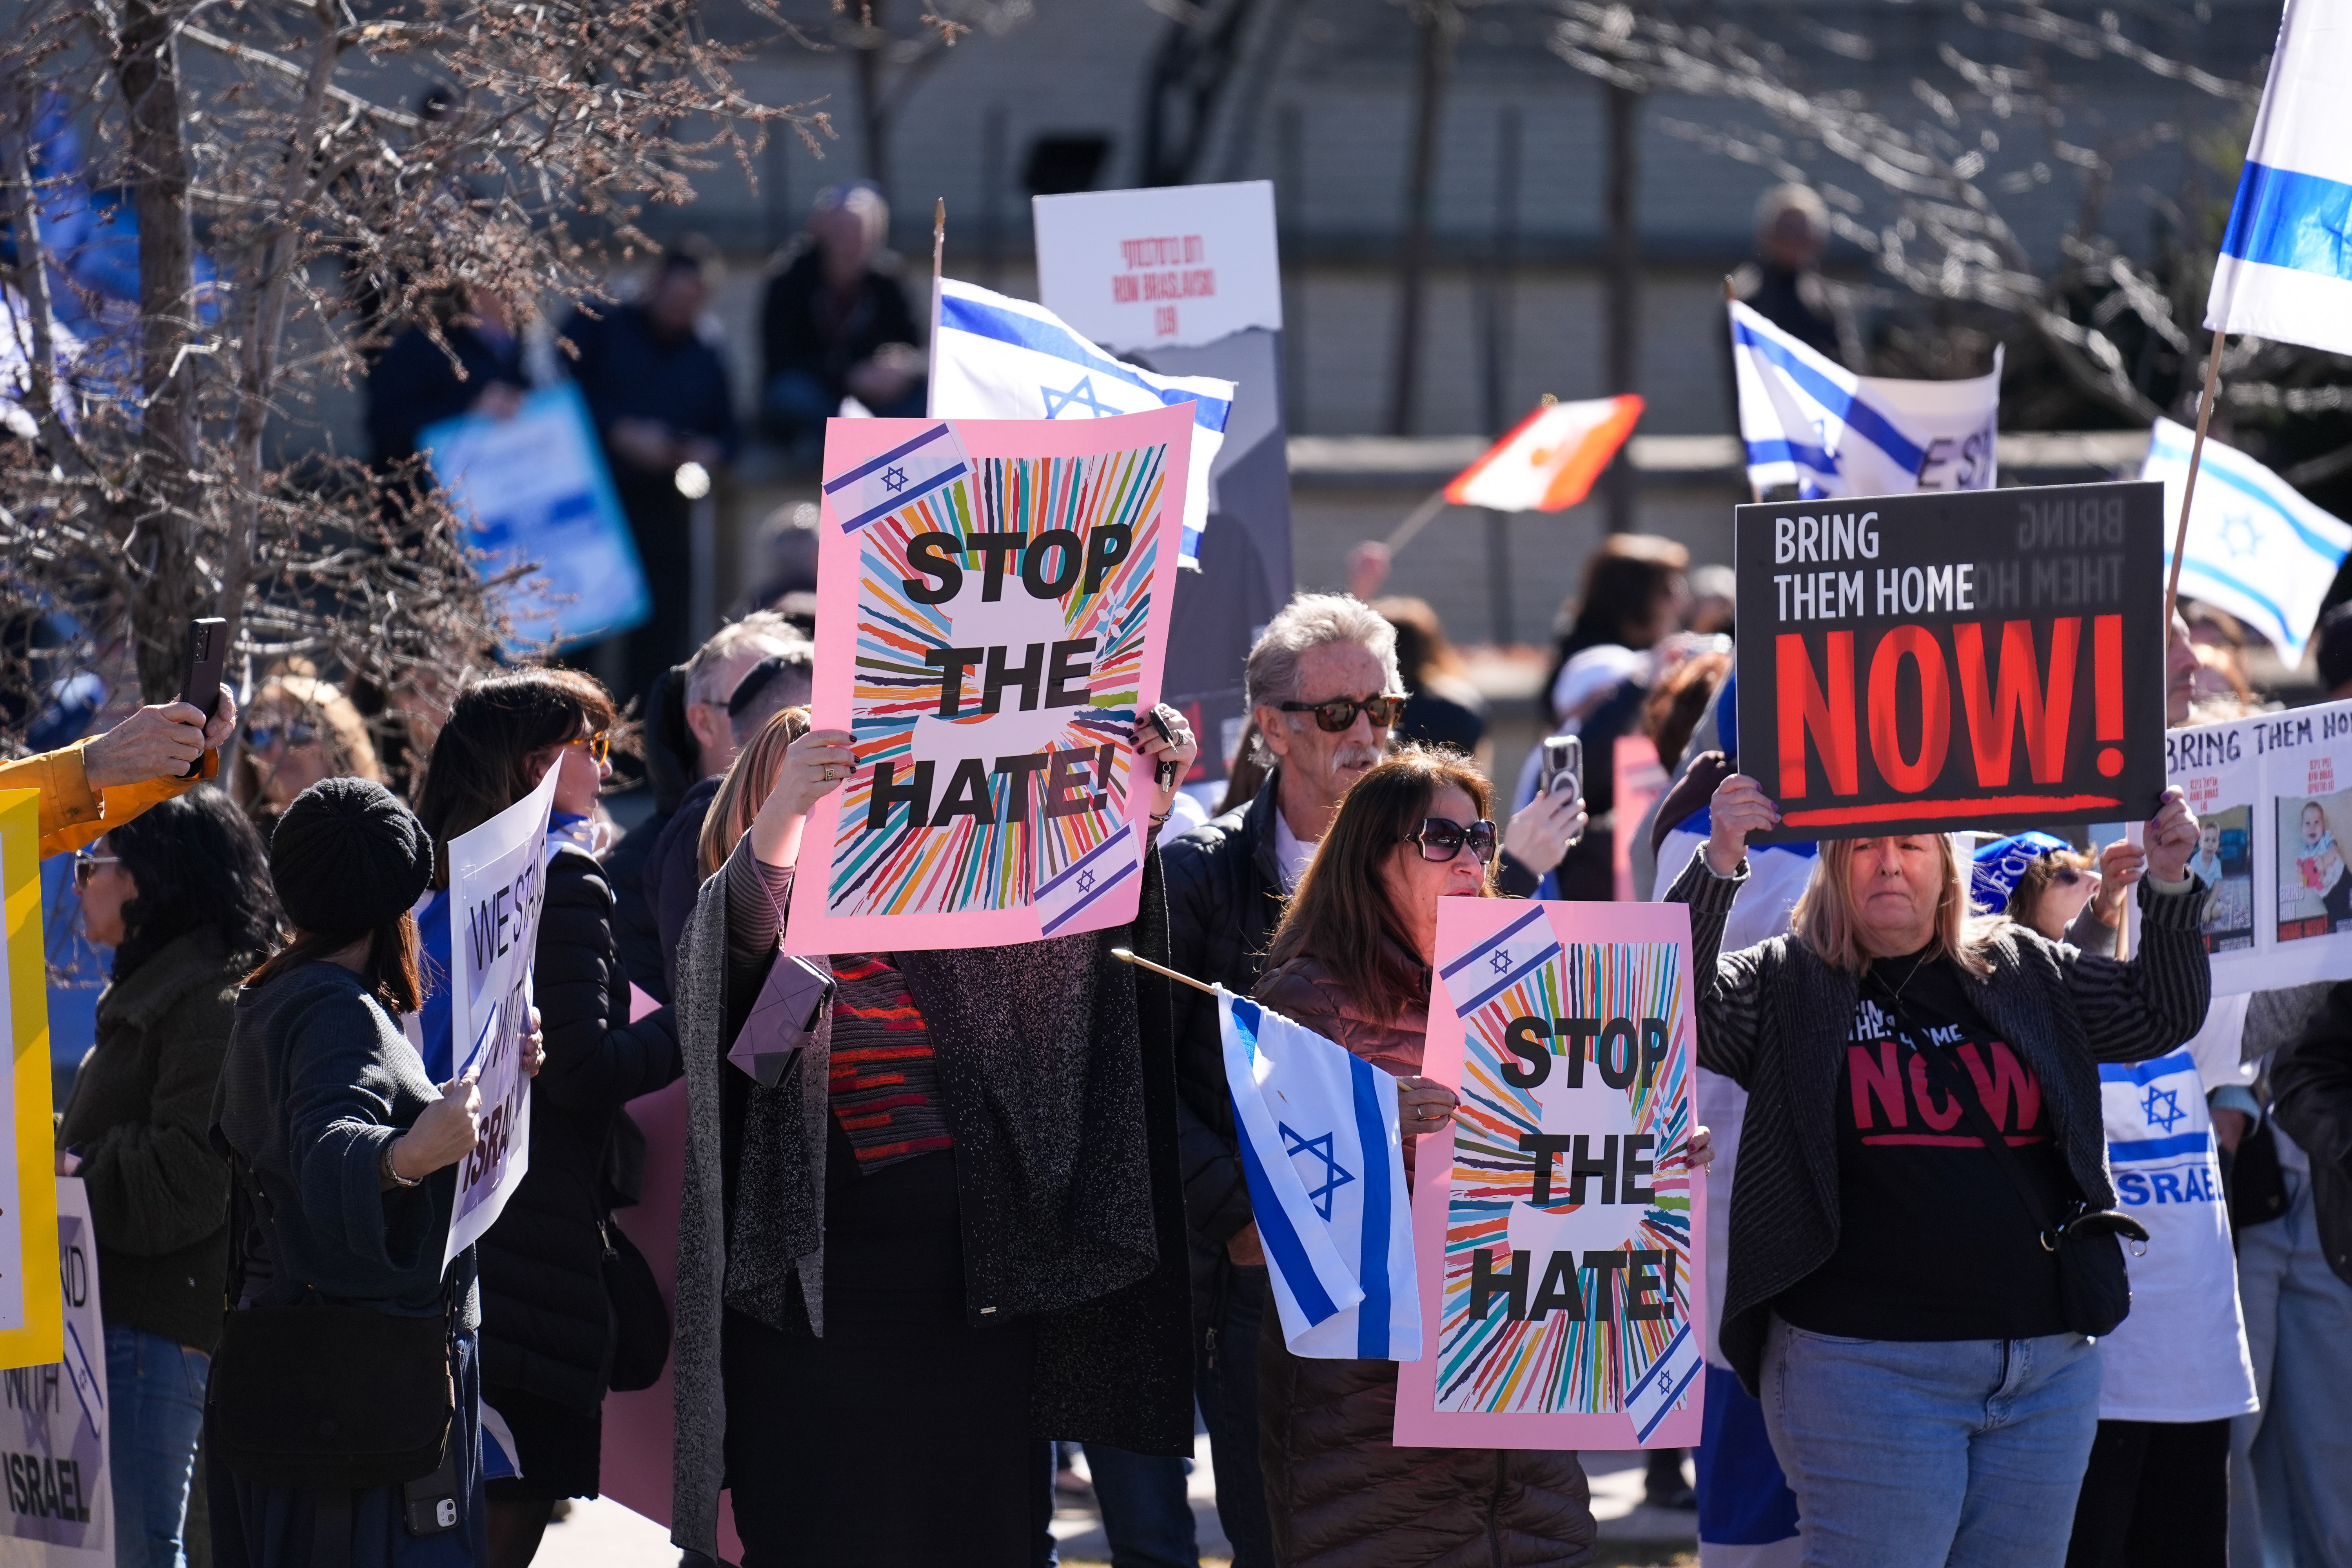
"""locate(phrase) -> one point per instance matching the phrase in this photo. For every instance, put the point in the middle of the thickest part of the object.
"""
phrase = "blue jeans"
(156, 1386)
(2289, 1499)
(1147, 1516)
(1937, 1454)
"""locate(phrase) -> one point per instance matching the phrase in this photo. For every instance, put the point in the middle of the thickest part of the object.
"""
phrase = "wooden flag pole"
(2188, 486)
(1420, 518)
(939, 256)
(1126, 955)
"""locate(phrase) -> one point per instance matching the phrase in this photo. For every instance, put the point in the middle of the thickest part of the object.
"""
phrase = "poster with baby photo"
(2315, 886)
(2224, 862)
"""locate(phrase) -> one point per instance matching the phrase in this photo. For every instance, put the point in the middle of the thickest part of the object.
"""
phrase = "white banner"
(497, 886)
(52, 1439)
(2273, 796)
(1170, 266)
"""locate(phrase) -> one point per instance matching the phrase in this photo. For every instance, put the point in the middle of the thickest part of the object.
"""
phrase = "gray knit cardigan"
(1774, 1017)
(1057, 1074)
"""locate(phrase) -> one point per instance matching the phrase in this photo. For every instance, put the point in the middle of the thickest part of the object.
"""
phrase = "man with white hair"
(836, 325)
(714, 672)
(1784, 284)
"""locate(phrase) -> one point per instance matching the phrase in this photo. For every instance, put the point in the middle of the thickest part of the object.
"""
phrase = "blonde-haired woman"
(1895, 1295)
(299, 730)
(749, 779)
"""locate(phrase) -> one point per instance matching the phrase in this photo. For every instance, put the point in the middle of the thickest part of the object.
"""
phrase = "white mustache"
(1356, 756)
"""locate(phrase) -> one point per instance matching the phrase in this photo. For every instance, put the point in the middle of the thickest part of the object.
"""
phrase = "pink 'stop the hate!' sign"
(1558, 1232)
(992, 607)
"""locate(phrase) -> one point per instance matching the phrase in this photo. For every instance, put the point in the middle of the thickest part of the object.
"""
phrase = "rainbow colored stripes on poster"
(985, 847)
(1564, 1362)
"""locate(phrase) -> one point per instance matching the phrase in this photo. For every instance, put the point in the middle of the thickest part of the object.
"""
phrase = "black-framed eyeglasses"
(86, 865)
(299, 733)
(600, 745)
(1441, 839)
(1337, 716)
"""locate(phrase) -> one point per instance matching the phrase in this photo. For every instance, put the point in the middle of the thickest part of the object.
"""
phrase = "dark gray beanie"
(348, 856)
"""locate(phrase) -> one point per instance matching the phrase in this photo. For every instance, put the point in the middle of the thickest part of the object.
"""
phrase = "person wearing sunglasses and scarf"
(1351, 961)
(548, 1327)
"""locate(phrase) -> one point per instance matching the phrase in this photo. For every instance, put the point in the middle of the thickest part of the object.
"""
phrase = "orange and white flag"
(1551, 459)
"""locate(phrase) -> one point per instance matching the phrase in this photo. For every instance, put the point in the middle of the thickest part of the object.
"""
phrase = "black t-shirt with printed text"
(1935, 1242)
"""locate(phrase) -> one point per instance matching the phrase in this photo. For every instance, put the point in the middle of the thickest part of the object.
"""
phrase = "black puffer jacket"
(546, 1327)
(1224, 899)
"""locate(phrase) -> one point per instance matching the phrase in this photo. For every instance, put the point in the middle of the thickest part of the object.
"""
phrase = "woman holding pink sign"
(1925, 1242)
(1351, 961)
(934, 1221)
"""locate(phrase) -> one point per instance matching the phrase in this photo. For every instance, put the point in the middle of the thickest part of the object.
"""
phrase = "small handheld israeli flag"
(1810, 422)
(2256, 547)
(998, 358)
(1325, 1158)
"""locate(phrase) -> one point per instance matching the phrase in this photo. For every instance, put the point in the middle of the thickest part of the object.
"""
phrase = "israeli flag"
(2284, 272)
(2256, 548)
(999, 358)
(1079, 886)
(1321, 1148)
(1810, 422)
(1510, 956)
(906, 473)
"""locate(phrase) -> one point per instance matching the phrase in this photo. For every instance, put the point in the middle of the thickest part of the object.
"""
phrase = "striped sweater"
(885, 1083)
(1773, 1018)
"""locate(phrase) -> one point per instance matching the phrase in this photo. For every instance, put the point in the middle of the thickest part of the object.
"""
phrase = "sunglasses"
(261, 737)
(1442, 840)
(2068, 875)
(600, 745)
(86, 865)
(1338, 715)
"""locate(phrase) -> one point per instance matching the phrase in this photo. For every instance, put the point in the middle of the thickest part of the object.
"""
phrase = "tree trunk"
(1412, 265)
(873, 114)
(1624, 292)
(167, 587)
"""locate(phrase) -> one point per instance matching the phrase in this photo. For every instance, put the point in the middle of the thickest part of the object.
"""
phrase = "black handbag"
(326, 1397)
(2094, 1287)
(640, 1316)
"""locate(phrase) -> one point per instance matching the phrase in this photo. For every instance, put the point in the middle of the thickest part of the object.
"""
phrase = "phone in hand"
(1561, 770)
(1164, 774)
(207, 659)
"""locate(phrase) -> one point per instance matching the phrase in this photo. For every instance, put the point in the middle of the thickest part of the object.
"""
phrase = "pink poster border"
(850, 442)
(1462, 924)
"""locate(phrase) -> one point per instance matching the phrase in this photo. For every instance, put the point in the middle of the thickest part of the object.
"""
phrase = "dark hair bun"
(348, 856)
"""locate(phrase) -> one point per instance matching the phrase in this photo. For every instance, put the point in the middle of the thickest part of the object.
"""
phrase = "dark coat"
(671, 764)
(673, 873)
(1774, 1019)
(2311, 1087)
(415, 384)
(1339, 1492)
(1224, 899)
(546, 1324)
(141, 1106)
(797, 331)
(316, 1081)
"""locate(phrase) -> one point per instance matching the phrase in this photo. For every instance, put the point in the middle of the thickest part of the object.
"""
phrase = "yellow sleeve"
(74, 815)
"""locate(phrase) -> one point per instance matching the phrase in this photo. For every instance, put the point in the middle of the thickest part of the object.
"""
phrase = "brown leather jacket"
(1340, 1495)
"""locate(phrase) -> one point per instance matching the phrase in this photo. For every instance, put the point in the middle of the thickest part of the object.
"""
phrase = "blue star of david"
(2162, 1108)
(1501, 962)
(2240, 537)
(1082, 396)
(1334, 1175)
(894, 479)
(1087, 881)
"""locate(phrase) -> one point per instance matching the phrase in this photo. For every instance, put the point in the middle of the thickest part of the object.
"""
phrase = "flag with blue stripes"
(1321, 1148)
(2256, 548)
(995, 357)
(1808, 421)
(912, 469)
(2286, 268)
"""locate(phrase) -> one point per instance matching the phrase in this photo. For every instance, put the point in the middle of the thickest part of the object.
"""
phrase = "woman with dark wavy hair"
(1351, 961)
(183, 895)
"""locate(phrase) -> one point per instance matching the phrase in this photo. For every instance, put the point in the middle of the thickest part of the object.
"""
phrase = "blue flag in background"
(1321, 1148)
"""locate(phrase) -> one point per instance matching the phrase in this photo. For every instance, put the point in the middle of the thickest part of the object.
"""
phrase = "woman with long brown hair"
(1351, 961)
(749, 780)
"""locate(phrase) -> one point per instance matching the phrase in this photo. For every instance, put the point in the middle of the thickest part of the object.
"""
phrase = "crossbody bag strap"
(1963, 1091)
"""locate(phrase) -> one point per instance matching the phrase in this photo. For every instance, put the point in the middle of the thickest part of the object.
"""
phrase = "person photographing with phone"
(343, 1423)
(1923, 1237)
